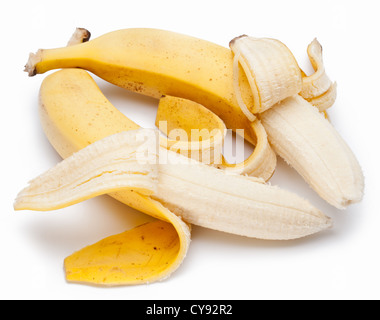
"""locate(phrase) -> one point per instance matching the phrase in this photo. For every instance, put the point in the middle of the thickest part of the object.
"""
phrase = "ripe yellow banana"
(256, 86)
(198, 193)
(156, 62)
(105, 159)
(169, 72)
(71, 105)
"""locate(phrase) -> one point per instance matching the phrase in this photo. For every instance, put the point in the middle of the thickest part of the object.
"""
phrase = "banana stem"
(46, 59)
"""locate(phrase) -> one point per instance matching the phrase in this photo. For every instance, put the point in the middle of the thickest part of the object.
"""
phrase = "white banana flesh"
(198, 193)
(307, 140)
(208, 197)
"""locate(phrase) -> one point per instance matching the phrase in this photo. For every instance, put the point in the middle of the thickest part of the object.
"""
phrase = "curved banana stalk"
(79, 36)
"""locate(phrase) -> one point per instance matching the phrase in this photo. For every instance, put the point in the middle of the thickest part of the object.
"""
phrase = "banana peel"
(61, 120)
(190, 129)
(199, 134)
(71, 104)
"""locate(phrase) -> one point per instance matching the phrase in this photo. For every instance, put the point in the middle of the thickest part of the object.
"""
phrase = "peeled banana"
(198, 193)
(303, 136)
(176, 174)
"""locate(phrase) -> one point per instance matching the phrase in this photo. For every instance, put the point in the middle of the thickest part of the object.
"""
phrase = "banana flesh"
(198, 193)
(308, 141)
(297, 130)
(208, 197)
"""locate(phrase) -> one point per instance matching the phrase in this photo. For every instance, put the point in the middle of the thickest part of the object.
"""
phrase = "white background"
(342, 263)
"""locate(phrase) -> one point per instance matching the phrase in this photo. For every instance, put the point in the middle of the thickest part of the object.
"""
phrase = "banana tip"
(79, 36)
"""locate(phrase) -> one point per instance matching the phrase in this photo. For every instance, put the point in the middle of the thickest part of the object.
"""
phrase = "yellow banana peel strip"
(182, 117)
(60, 95)
(145, 254)
(123, 161)
(190, 129)
(261, 162)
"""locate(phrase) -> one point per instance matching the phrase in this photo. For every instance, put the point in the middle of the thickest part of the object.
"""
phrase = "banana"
(255, 86)
(76, 117)
(198, 193)
(145, 61)
(124, 161)
(308, 141)
(71, 105)
(156, 63)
